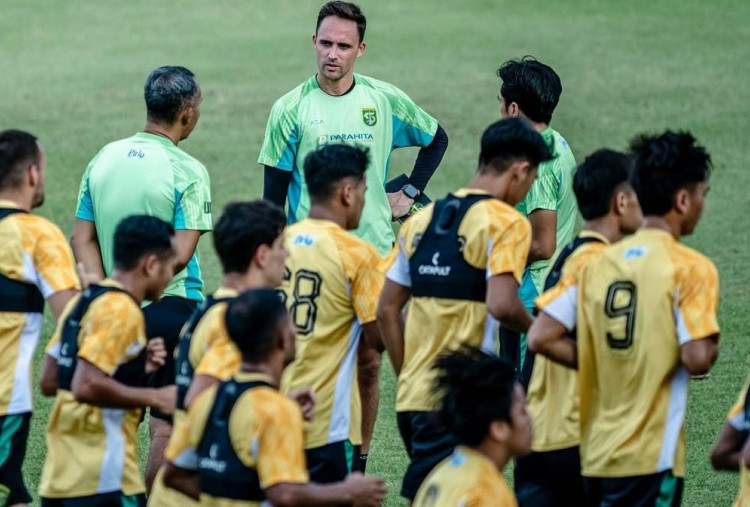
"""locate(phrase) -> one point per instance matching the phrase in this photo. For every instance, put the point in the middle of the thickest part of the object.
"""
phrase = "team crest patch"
(369, 116)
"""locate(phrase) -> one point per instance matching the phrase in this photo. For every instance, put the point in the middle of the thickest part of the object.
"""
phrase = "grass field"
(72, 73)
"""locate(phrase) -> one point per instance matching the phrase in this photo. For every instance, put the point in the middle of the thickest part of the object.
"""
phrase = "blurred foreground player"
(551, 475)
(241, 443)
(36, 264)
(332, 289)
(96, 365)
(646, 323)
(484, 407)
(459, 263)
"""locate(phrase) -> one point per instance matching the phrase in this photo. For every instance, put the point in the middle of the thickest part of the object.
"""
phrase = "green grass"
(72, 72)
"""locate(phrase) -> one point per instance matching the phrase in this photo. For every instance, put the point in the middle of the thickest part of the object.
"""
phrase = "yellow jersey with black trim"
(495, 239)
(265, 431)
(552, 397)
(332, 288)
(638, 303)
(93, 450)
(465, 479)
(32, 250)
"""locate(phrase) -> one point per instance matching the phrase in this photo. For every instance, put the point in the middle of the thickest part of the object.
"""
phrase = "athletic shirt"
(90, 449)
(552, 396)
(147, 174)
(739, 418)
(35, 263)
(466, 478)
(486, 239)
(638, 303)
(242, 436)
(373, 114)
(331, 288)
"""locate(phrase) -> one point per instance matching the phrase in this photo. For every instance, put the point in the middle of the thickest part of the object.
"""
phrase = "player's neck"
(131, 283)
(265, 368)
(241, 282)
(22, 198)
(494, 452)
(663, 223)
(323, 212)
(168, 132)
(493, 184)
(606, 226)
(539, 127)
(335, 88)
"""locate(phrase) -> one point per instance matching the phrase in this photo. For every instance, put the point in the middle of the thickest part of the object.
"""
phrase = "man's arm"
(699, 355)
(59, 300)
(727, 451)
(543, 234)
(199, 384)
(356, 489)
(368, 373)
(505, 305)
(428, 159)
(185, 481)
(93, 386)
(48, 381)
(187, 242)
(276, 184)
(85, 244)
(393, 298)
(548, 337)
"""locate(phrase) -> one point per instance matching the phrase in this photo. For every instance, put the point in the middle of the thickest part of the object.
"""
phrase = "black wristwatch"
(411, 191)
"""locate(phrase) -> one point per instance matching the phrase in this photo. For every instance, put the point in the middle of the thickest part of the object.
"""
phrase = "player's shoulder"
(381, 87)
(417, 223)
(582, 257)
(37, 227)
(500, 216)
(290, 101)
(272, 406)
(690, 262)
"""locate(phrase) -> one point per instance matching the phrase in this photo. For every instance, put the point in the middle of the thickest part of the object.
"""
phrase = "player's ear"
(150, 265)
(682, 201)
(314, 39)
(261, 256)
(34, 175)
(346, 193)
(361, 49)
(620, 203)
(499, 431)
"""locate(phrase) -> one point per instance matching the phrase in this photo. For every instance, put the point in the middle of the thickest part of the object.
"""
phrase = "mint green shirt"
(147, 174)
(373, 114)
(552, 190)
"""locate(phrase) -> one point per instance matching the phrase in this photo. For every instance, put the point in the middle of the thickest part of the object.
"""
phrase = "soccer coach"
(337, 105)
(148, 174)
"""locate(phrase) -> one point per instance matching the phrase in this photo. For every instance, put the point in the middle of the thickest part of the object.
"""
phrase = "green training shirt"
(373, 114)
(553, 190)
(147, 174)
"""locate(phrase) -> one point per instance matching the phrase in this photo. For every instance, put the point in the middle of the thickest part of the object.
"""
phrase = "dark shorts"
(549, 479)
(114, 499)
(14, 431)
(332, 462)
(662, 489)
(164, 319)
(427, 444)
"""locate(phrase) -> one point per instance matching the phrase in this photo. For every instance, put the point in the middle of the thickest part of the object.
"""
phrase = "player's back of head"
(477, 389)
(327, 167)
(18, 150)
(167, 91)
(665, 164)
(139, 235)
(242, 228)
(598, 179)
(534, 86)
(344, 10)
(509, 140)
(252, 321)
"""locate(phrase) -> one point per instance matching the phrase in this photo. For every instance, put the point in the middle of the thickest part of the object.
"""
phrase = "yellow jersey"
(93, 450)
(491, 239)
(739, 418)
(35, 257)
(260, 445)
(331, 289)
(552, 397)
(638, 303)
(465, 479)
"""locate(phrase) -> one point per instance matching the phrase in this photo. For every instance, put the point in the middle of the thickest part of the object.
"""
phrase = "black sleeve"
(275, 184)
(428, 159)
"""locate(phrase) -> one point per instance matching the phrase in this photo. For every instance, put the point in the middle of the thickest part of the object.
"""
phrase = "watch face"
(410, 191)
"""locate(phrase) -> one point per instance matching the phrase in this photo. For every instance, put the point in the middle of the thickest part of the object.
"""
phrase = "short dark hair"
(534, 86)
(242, 228)
(18, 150)
(326, 167)
(511, 139)
(345, 10)
(168, 89)
(140, 235)
(252, 320)
(598, 178)
(477, 389)
(665, 164)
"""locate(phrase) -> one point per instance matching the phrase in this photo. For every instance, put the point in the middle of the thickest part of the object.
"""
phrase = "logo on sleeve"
(207, 207)
(370, 116)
